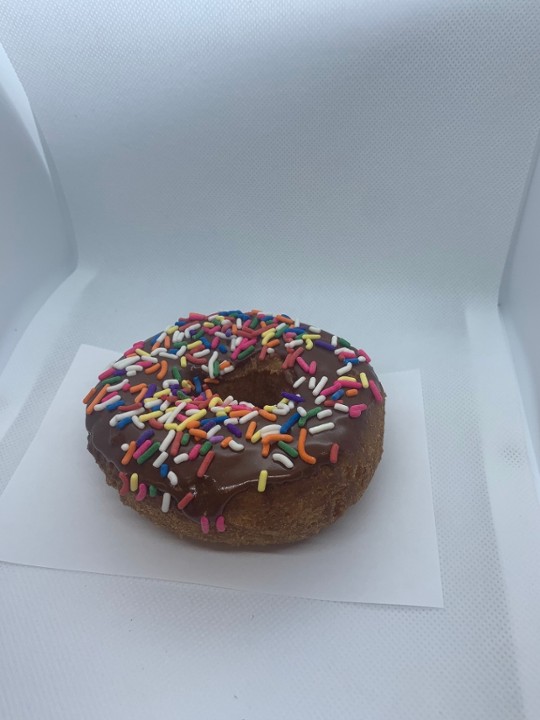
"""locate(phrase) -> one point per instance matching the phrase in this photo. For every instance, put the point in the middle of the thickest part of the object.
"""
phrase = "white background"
(362, 165)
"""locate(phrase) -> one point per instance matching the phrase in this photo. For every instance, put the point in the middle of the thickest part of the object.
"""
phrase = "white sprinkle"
(158, 462)
(324, 414)
(229, 399)
(269, 430)
(124, 362)
(167, 440)
(183, 457)
(192, 411)
(236, 446)
(150, 403)
(103, 405)
(283, 459)
(169, 382)
(166, 502)
(221, 335)
(165, 404)
(181, 351)
(361, 358)
(161, 337)
(281, 326)
(314, 329)
(231, 421)
(131, 373)
(168, 355)
(346, 352)
(298, 382)
(270, 351)
(312, 382)
(178, 336)
(250, 416)
(333, 341)
(138, 423)
(201, 353)
(319, 387)
(281, 410)
(294, 343)
(296, 323)
(116, 418)
(345, 369)
(172, 478)
(211, 362)
(321, 428)
(125, 447)
(341, 408)
(301, 411)
(320, 399)
(227, 370)
(135, 367)
(155, 352)
(213, 431)
(169, 417)
(239, 323)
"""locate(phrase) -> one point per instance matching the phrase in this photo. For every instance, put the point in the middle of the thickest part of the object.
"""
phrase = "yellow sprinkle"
(348, 377)
(171, 426)
(149, 416)
(364, 380)
(194, 344)
(309, 344)
(270, 331)
(263, 475)
(283, 401)
(214, 401)
(256, 436)
(310, 337)
(171, 330)
(195, 416)
(134, 482)
(208, 324)
(183, 361)
(269, 408)
(162, 392)
(141, 352)
(266, 338)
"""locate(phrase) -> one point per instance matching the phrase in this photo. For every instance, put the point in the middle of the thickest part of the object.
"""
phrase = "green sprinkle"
(344, 343)
(177, 374)
(148, 454)
(182, 395)
(217, 320)
(152, 491)
(291, 452)
(216, 368)
(206, 447)
(179, 344)
(280, 332)
(113, 382)
(245, 353)
(185, 439)
(254, 322)
(198, 335)
(309, 414)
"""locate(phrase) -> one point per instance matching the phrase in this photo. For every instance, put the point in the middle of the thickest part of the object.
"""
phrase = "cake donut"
(238, 427)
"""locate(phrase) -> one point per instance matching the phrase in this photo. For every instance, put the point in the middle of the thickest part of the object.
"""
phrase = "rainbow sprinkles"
(180, 443)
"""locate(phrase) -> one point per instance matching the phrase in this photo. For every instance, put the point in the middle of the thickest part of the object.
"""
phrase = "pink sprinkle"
(205, 525)
(142, 449)
(194, 360)
(191, 406)
(185, 500)
(288, 336)
(347, 353)
(108, 396)
(106, 374)
(376, 392)
(303, 364)
(212, 330)
(196, 316)
(220, 524)
(334, 452)
(312, 367)
(363, 353)
(332, 389)
(356, 410)
(242, 346)
(214, 343)
(142, 493)
(263, 352)
(125, 483)
(144, 363)
(194, 452)
(349, 384)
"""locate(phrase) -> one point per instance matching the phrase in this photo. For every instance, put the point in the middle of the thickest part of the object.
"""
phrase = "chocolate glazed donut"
(238, 427)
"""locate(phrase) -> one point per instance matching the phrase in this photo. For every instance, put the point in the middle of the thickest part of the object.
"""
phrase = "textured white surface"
(383, 551)
(360, 164)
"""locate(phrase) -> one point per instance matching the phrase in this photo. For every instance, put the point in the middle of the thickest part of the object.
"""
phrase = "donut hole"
(260, 383)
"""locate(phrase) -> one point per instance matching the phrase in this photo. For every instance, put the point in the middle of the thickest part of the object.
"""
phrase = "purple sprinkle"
(119, 372)
(294, 398)
(325, 345)
(146, 435)
(235, 431)
(217, 438)
(151, 390)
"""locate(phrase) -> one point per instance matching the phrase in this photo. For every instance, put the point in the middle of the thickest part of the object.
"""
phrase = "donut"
(240, 428)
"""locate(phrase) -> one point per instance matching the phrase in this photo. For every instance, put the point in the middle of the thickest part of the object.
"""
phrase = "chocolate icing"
(231, 473)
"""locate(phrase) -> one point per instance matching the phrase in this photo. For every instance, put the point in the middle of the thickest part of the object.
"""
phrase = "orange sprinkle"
(129, 453)
(251, 429)
(272, 343)
(197, 433)
(104, 390)
(192, 424)
(135, 388)
(266, 450)
(351, 392)
(224, 364)
(154, 346)
(89, 395)
(239, 413)
(284, 319)
(276, 437)
(234, 329)
(302, 448)
(226, 442)
(152, 369)
(167, 341)
(211, 381)
(267, 415)
(163, 370)
(141, 394)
